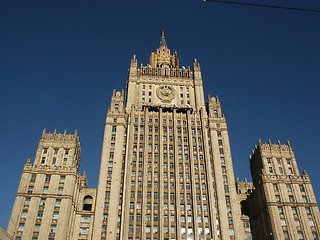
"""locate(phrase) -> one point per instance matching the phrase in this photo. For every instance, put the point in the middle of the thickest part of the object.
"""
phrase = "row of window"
(295, 210)
(54, 160)
(289, 187)
(278, 160)
(53, 227)
(55, 151)
(45, 190)
(300, 235)
(42, 202)
(291, 198)
(47, 178)
(297, 222)
(170, 121)
(55, 215)
(281, 170)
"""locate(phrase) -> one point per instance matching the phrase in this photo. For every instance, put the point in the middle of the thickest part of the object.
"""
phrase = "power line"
(261, 5)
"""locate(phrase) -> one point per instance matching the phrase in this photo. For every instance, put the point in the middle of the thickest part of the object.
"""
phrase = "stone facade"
(4, 235)
(166, 172)
(50, 190)
(285, 204)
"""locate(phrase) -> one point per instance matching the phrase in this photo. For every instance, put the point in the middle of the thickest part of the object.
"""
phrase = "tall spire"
(163, 42)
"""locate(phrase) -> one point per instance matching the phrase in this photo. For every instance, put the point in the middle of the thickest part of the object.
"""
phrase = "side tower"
(285, 201)
(166, 169)
(49, 187)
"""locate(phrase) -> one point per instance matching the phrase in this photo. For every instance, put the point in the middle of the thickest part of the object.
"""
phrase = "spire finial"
(163, 42)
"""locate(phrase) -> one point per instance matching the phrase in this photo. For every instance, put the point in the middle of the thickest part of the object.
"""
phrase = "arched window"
(244, 207)
(87, 203)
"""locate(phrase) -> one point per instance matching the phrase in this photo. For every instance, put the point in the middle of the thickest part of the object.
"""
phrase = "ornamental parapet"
(167, 72)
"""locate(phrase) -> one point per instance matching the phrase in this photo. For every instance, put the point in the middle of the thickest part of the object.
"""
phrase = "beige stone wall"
(286, 200)
(4, 235)
(45, 206)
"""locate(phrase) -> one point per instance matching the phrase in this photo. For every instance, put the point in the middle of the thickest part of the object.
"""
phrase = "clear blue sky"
(60, 61)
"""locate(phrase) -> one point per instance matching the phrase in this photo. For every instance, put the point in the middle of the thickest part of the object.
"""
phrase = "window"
(221, 151)
(58, 203)
(291, 198)
(246, 224)
(36, 228)
(33, 178)
(60, 190)
(302, 189)
(53, 228)
(294, 210)
(297, 222)
(84, 230)
(315, 235)
(229, 209)
(286, 235)
(113, 137)
(107, 194)
(42, 202)
(40, 215)
(280, 210)
(278, 199)
(289, 188)
(304, 199)
(47, 179)
(283, 222)
(308, 210)
(55, 215)
(311, 222)
(225, 178)
(300, 235)
(27, 201)
(85, 219)
(45, 190)
(20, 227)
(62, 179)
(54, 160)
(30, 189)
(24, 214)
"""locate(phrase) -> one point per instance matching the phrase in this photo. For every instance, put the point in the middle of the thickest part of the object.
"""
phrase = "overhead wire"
(262, 5)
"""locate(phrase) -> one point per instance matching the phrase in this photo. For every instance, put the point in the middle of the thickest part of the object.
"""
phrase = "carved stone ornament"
(166, 93)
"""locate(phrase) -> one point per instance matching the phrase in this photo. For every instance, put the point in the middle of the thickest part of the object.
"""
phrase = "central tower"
(166, 169)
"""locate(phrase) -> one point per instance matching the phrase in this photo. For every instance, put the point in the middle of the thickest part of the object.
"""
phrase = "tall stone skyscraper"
(166, 168)
(166, 172)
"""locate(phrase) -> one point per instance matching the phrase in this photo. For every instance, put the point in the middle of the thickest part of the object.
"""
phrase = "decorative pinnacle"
(163, 42)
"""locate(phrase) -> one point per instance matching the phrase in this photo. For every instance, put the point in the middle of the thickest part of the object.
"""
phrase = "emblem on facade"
(166, 93)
